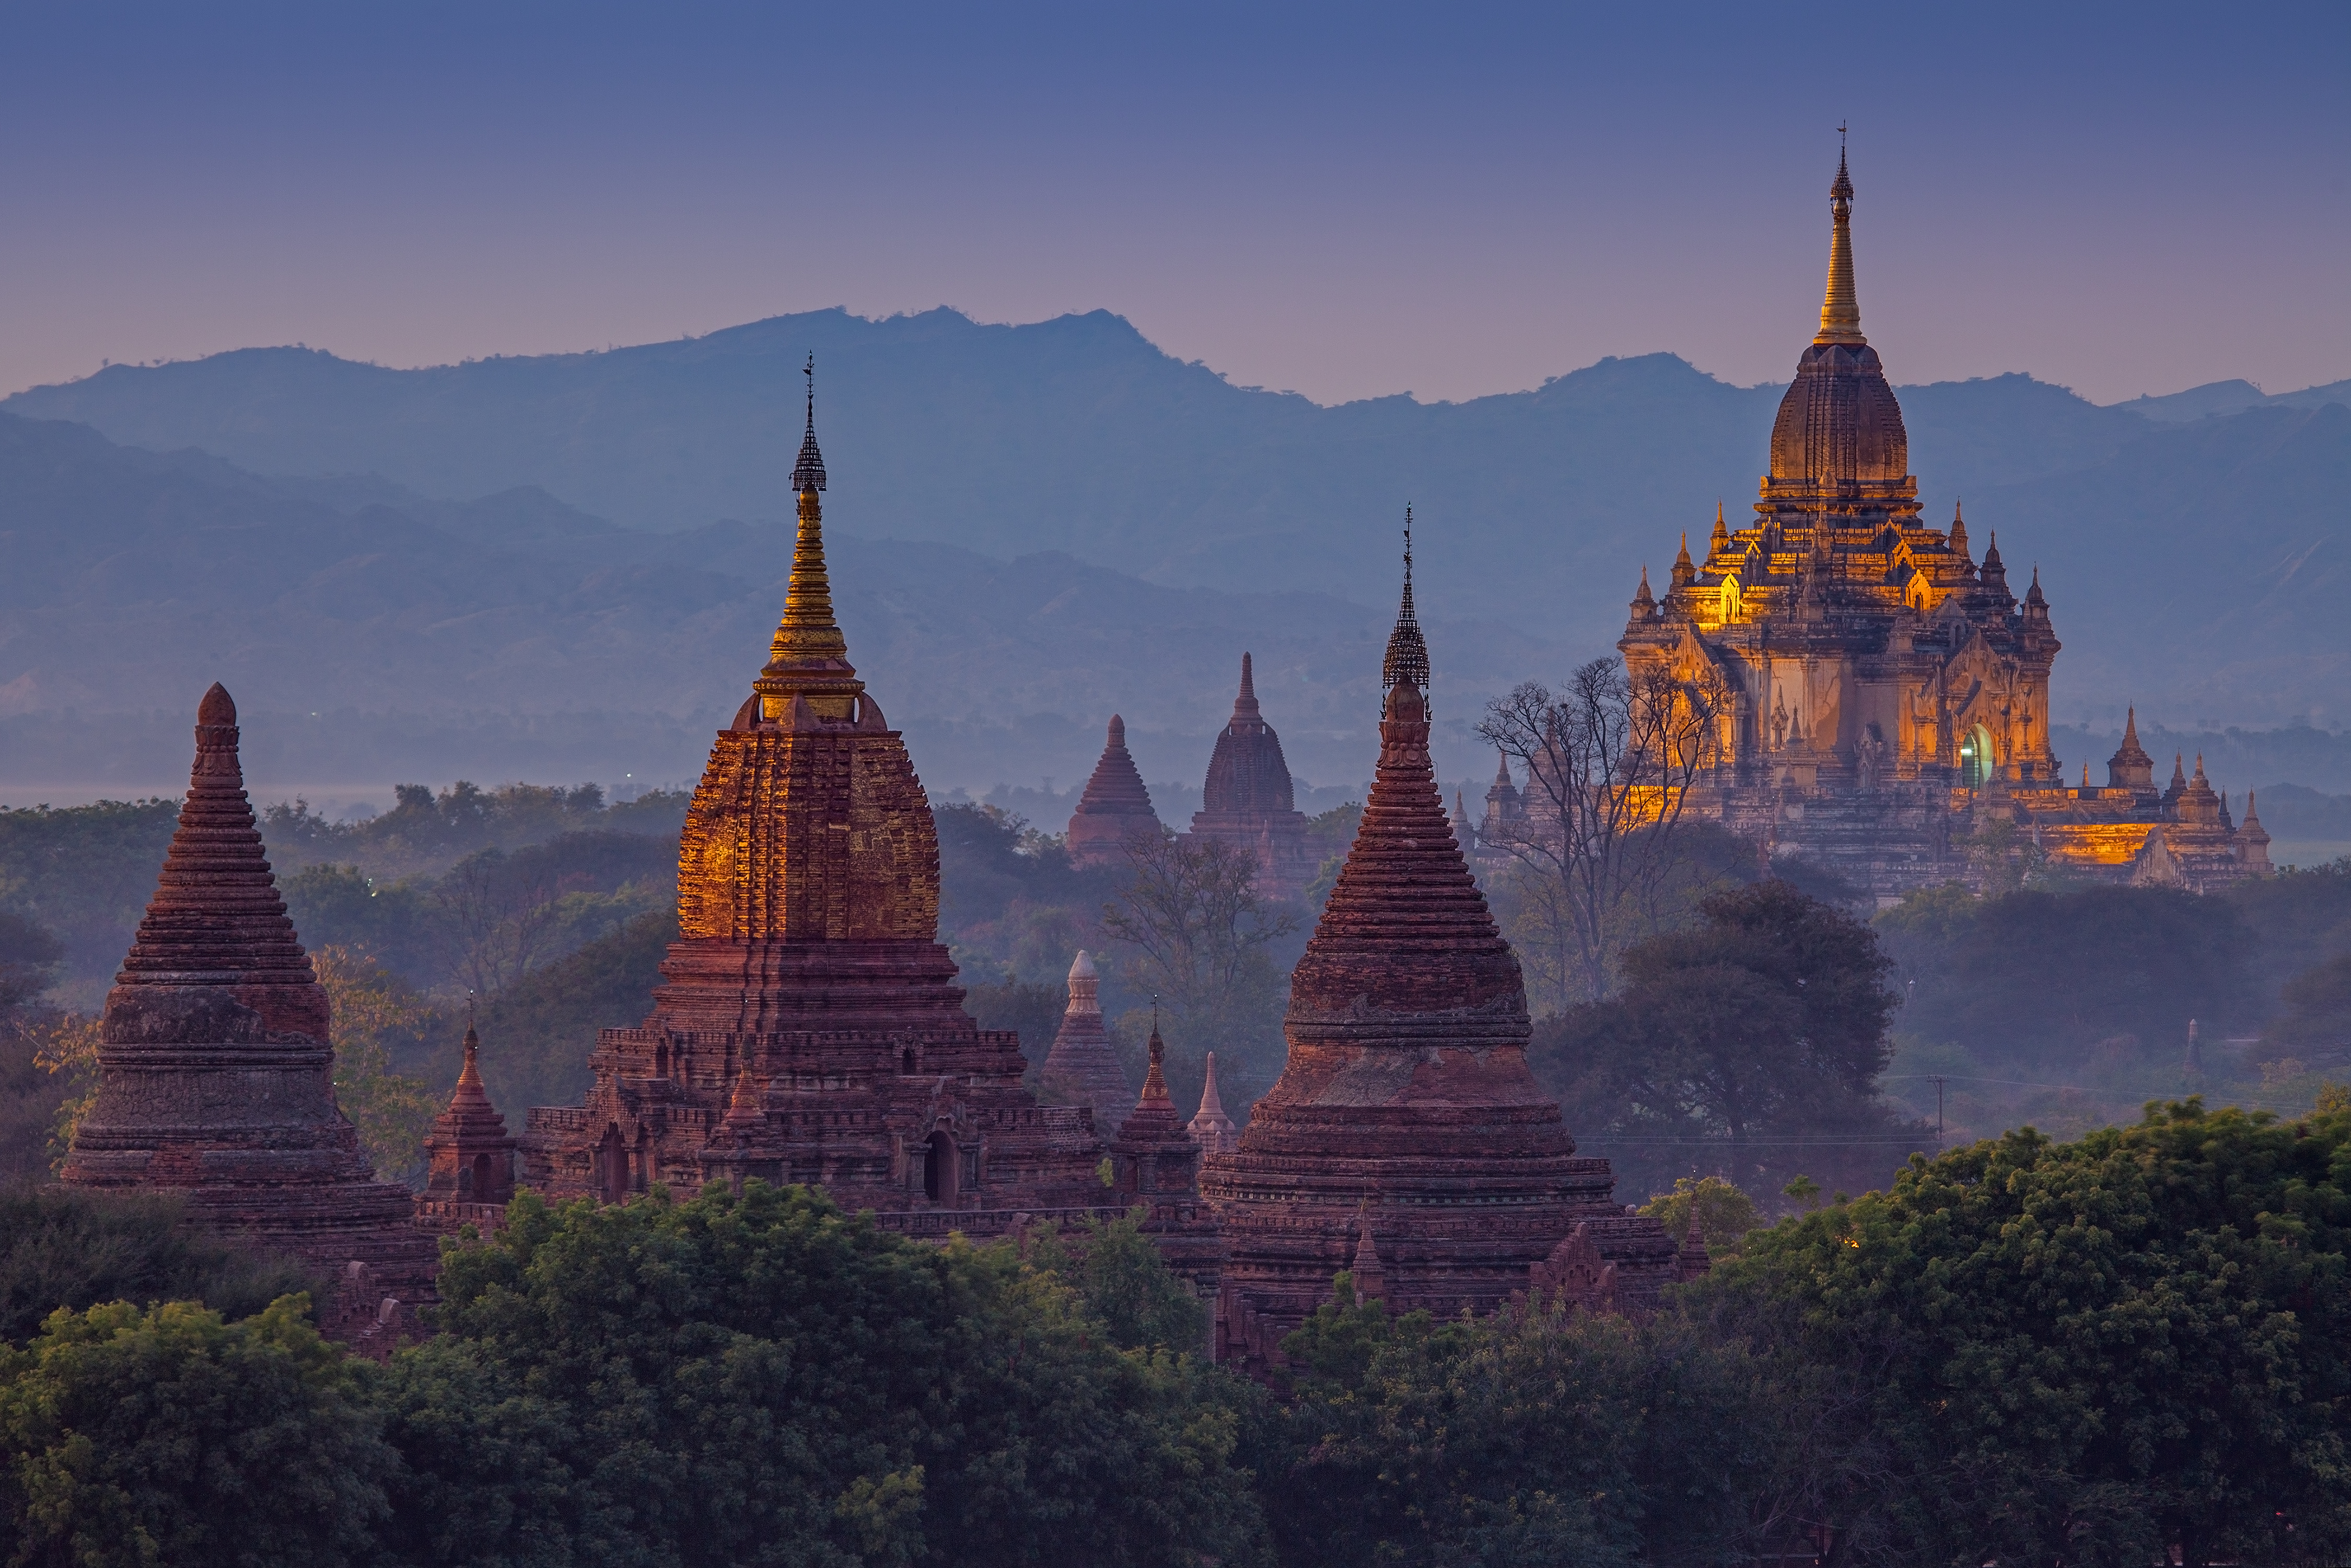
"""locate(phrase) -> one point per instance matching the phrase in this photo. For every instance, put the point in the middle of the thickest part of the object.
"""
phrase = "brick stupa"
(215, 1073)
(1248, 800)
(1081, 1069)
(808, 1027)
(469, 1155)
(1115, 807)
(1155, 1163)
(1405, 1112)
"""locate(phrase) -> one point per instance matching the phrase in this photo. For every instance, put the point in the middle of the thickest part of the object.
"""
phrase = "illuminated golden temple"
(1883, 698)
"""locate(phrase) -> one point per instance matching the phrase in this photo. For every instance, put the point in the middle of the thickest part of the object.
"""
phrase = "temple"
(1880, 699)
(1211, 1128)
(1115, 808)
(469, 1155)
(216, 1074)
(1155, 1165)
(1081, 1069)
(1247, 801)
(807, 1026)
(1405, 1126)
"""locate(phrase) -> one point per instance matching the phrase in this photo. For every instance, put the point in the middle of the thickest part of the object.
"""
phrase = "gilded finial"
(1407, 655)
(1841, 305)
(809, 658)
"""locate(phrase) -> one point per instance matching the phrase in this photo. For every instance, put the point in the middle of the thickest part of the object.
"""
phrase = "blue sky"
(1347, 201)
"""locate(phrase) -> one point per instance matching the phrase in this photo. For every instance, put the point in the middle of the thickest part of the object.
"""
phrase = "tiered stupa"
(1405, 1110)
(1156, 1165)
(808, 1028)
(215, 1073)
(1248, 800)
(469, 1155)
(1211, 1128)
(1115, 807)
(1081, 1069)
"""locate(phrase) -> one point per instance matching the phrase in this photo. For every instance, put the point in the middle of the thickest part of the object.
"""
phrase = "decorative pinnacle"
(1840, 305)
(1407, 657)
(809, 656)
(807, 474)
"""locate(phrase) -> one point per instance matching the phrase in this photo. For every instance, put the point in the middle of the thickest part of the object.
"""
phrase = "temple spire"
(1840, 307)
(809, 658)
(1210, 1127)
(1407, 657)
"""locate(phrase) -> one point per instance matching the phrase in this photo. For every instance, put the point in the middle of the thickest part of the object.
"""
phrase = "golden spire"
(810, 658)
(1841, 309)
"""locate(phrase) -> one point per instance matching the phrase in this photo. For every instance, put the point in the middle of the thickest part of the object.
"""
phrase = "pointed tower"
(1505, 808)
(1156, 1162)
(1248, 800)
(215, 1073)
(1115, 807)
(1839, 424)
(1371, 1280)
(2253, 840)
(1210, 1127)
(1081, 1069)
(2130, 768)
(808, 973)
(1406, 1086)
(469, 1155)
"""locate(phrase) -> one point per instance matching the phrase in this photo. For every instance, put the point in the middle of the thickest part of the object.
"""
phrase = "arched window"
(1729, 602)
(486, 1185)
(906, 1061)
(939, 1167)
(613, 1165)
(1976, 760)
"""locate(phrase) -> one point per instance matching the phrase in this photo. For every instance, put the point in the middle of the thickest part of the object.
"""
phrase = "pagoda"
(807, 1026)
(1081, 1069)
(1248, 800)
(216, 1074)
(1211, 1128)
(1155, 1165)
(1874, 697)
(1406, 1125)
(469, 1155)
(1115, 808)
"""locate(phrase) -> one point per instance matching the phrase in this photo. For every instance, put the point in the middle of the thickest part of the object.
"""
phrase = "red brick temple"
(1156, 1162)
(808, 1027)
(1114, 808)
(469, 1155)
(215, 1072)
(1248, 800)
(1405, 1128)
(1081, 1069)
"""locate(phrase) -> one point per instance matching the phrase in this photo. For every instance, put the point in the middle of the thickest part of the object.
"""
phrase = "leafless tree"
(1608, 760)
(1192, 913)
(501, 910)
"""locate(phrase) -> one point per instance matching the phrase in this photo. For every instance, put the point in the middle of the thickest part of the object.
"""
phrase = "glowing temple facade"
(1883, 698)
(807, 1026)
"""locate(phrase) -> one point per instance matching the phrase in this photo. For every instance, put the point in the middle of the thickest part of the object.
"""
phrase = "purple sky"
(1343, 200)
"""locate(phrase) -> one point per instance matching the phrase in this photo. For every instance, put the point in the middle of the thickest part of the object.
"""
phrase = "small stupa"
(1082, 1068)
(1155, 1163)
(469, 1155)
(1115, 808)
(216, 1074)
(1211, 1128)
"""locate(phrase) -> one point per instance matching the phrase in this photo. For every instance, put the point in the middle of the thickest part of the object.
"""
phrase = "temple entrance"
(939, 1168)
(1975, 758)
(484, 1183)
(612, 1165)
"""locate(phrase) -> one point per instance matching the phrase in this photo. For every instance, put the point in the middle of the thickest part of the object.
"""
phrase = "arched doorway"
(486, 1184)
(613, 1165)
(1976, 761)
(939, 1167)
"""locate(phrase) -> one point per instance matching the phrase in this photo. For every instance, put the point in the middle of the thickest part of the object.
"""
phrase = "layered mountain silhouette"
(1050, 522)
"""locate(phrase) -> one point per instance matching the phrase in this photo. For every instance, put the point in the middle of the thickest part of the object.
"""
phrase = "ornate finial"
(807, 474)
(1407, 657)
(1840, 305)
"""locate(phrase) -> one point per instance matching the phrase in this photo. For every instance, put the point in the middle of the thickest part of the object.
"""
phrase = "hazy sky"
(1345, 200)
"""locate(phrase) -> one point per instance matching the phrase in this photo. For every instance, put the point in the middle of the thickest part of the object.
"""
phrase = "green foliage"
(29, 955)
(378, 1017)
(1011, 903)
(1725, 1215)
(1540, 1435)
(1122, 1283)
(167, 1436)
(1732, 1042)
(2104, 1352)
(30, 1097)
(2035, 977)
(536, 1035)
(837, 1394)
(2316, 1025)
(85, 873)
(1031, 1010)
(424, 832)
(71, 1249)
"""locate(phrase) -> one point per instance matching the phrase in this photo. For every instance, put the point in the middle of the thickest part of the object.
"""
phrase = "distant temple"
(1115, 807)
(1407, 1137)
(469, 1155)
(1885, 699)
(808, 1028)
(1247, 801)
(216, 1074)
(1081, 1069)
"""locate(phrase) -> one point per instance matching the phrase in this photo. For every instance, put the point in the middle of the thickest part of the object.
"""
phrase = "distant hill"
(2187, 542)
(370, 634)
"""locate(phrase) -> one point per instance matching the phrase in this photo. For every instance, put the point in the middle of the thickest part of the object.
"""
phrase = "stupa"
(1081, 1069)
(1155, 1163)
(807, 1026)
(469, 1155)
(1211, 1128)
(1115, 807)
(215, 1073)
(1406, 1111)
(1248, 800)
